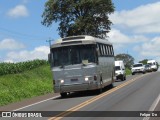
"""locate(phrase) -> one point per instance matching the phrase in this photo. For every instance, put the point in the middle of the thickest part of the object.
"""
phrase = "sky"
(135, 30)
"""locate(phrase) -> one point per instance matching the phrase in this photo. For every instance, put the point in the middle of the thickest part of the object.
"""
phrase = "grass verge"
(16, 87)
(128, 71)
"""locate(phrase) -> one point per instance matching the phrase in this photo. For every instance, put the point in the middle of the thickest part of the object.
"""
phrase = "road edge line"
(36, 103)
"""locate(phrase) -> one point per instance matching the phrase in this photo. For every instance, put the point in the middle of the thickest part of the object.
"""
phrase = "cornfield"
(12, 68)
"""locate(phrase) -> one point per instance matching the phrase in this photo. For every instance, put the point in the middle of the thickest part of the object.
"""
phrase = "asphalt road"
(138, 93)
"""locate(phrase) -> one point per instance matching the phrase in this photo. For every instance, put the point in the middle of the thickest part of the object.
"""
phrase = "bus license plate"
(74, 80)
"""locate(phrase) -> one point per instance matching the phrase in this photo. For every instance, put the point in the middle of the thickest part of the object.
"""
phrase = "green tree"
(79, 17)
(127, 59)
(144, 61)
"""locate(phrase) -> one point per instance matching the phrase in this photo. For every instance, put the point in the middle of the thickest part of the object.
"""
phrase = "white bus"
(81, 63)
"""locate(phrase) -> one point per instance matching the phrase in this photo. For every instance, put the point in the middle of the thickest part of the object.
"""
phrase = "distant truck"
(120, 70)
(154, 64)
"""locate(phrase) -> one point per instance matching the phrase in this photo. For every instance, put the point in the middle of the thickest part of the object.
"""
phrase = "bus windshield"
(69, 55)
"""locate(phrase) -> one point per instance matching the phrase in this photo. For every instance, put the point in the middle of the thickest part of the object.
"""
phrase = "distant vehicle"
(138, 68)
(154, 64)
(120, 70)
(148, 68)
(81, 63)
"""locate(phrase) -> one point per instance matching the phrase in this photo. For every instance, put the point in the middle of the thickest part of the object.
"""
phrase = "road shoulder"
(27, 102)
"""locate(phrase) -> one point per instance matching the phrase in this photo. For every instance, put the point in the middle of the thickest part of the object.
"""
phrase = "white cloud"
(149, 49)
(8, 61)
(38, 53)
(10, 44)
(116, 36)
(124, 43)
(18, 11)
(134, 31)
(143, 19)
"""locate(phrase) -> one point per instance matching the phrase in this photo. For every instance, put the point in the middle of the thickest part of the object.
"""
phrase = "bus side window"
(101, 50)
(104, 50)
(98, 50)
(103, 53)
(112, 50)
(108, 50)
(97, 53)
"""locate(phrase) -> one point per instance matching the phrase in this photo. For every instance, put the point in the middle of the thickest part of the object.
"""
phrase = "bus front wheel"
(100, 90)
(64, 94)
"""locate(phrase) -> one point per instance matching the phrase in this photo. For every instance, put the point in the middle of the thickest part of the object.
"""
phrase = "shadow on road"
(118, 80)
(85, 93)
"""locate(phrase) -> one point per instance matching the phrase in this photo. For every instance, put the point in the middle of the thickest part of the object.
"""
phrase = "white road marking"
(36, 103)
(153, 106)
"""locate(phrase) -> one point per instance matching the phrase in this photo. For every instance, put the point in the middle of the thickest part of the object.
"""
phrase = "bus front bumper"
(75, 87)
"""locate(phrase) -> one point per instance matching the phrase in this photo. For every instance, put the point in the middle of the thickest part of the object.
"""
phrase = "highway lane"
(137, 95)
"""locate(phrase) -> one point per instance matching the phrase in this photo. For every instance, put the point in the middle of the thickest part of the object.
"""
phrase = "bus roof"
(78, 40)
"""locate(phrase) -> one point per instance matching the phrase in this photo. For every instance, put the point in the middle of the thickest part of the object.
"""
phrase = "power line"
(22, 34)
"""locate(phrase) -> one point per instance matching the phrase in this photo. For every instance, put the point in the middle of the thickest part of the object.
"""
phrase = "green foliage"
(144, 61)
(79, 17)
(128, 71)
(12, 68)
(127, 59)
(16, 87)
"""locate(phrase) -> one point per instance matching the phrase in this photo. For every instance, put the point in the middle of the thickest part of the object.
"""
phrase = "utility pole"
(49, 41)
(49, 55)
(127, 52)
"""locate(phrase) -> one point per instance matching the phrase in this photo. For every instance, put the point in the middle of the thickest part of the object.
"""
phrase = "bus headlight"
(86, 79)
(61, 81)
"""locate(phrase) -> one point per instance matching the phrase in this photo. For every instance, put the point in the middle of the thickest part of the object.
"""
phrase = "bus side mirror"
(97, 52)
(49, 58)
(97, 62)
